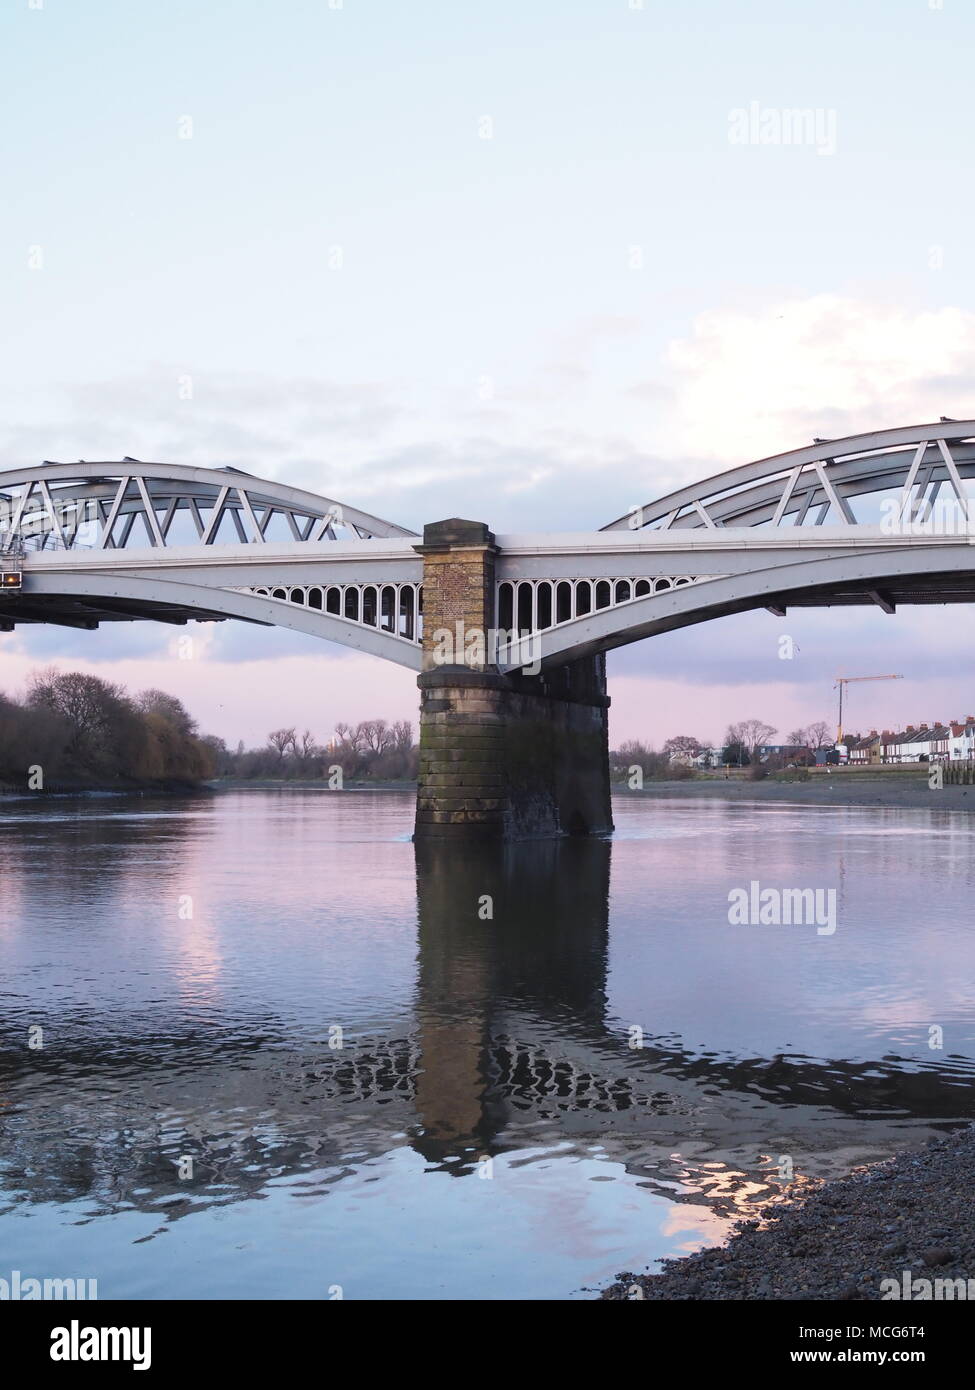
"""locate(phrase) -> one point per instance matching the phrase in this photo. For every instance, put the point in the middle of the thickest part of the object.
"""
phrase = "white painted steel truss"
(824, 481)
(121, 541)
(115, 506)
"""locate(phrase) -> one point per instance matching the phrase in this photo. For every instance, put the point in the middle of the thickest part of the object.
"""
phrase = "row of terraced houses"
(951, 742)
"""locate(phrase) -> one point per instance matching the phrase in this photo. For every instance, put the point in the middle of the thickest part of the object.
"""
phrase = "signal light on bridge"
(10, 579)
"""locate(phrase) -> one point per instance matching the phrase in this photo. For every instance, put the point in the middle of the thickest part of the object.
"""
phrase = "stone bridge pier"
(502, 756)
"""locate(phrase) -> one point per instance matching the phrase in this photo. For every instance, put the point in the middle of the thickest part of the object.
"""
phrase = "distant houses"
(923, 743)
(707, 757)
(799, 755)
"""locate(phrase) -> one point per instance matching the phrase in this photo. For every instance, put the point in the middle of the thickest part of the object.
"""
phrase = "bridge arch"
(914, 574)
(177, 601)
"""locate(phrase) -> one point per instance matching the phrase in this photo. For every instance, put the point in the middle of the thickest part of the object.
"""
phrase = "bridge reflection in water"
(513, 1029)
(510, 1047)
(540, 952)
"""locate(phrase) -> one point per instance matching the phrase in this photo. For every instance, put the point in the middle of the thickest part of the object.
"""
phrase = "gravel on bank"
(843, 789)
(839, 1240)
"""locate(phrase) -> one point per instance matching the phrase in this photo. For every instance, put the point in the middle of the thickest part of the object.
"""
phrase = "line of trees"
(372, 749)
(75, 728)
(740, 749)
(72, 729)
(743, 740)
(655, 763)
(81, 729)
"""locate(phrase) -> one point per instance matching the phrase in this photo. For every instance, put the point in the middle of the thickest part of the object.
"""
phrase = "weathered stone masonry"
(501, 756)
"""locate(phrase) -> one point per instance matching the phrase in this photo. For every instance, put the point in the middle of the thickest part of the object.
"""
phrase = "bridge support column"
(501, 756)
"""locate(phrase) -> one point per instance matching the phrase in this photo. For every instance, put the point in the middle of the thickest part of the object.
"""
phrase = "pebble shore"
(840, 1240)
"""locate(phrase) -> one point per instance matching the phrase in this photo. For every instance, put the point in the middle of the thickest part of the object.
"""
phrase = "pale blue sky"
(538, 329)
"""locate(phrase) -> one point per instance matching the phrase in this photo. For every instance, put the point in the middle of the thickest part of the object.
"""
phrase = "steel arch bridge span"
(84, 599)
(823, 480)
(909, 573)
(130, 504)
(99, 542)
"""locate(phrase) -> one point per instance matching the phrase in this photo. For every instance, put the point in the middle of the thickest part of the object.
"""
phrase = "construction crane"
(846, 680)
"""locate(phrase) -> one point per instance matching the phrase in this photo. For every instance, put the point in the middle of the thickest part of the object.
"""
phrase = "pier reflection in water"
(475, 998)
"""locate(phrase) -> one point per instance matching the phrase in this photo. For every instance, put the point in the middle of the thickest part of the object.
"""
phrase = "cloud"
(749, 383)
(565, 445)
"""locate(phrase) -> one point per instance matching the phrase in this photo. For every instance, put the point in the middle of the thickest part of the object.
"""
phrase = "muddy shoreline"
(910, 792)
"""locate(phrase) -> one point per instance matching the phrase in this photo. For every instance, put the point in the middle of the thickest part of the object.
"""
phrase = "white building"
(708, 757)
(926, 743)
(961, 744)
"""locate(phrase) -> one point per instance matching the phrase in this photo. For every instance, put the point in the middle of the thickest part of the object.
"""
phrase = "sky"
(503, 259)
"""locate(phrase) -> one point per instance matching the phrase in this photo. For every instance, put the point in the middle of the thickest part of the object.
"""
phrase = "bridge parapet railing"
(49, 542)
(395, 608)
(526, 605)
(535, 605)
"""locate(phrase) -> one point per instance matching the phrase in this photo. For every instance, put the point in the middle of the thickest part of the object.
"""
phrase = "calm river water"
(285, 1053)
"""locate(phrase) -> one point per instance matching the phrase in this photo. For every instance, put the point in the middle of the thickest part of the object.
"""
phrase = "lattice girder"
(820, 480)
(107, 506)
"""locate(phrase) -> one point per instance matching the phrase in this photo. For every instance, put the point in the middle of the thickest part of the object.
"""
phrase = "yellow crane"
(841, 681)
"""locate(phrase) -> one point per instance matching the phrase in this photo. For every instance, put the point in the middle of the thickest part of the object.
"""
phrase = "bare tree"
(750, 733)
(281, 740)
(818, 735)
(306, 747)
(349, 737)
(377, 736)
(402, 732)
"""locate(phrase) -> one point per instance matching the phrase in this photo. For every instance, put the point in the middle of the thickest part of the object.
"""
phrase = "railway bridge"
(507, 632)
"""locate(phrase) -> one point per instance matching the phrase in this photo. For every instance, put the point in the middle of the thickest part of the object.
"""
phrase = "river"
(257, 1045)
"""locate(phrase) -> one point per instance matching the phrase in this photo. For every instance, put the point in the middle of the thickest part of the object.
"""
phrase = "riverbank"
(122, 787)
(840, 1240)
(306, 784)
(908, 791)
